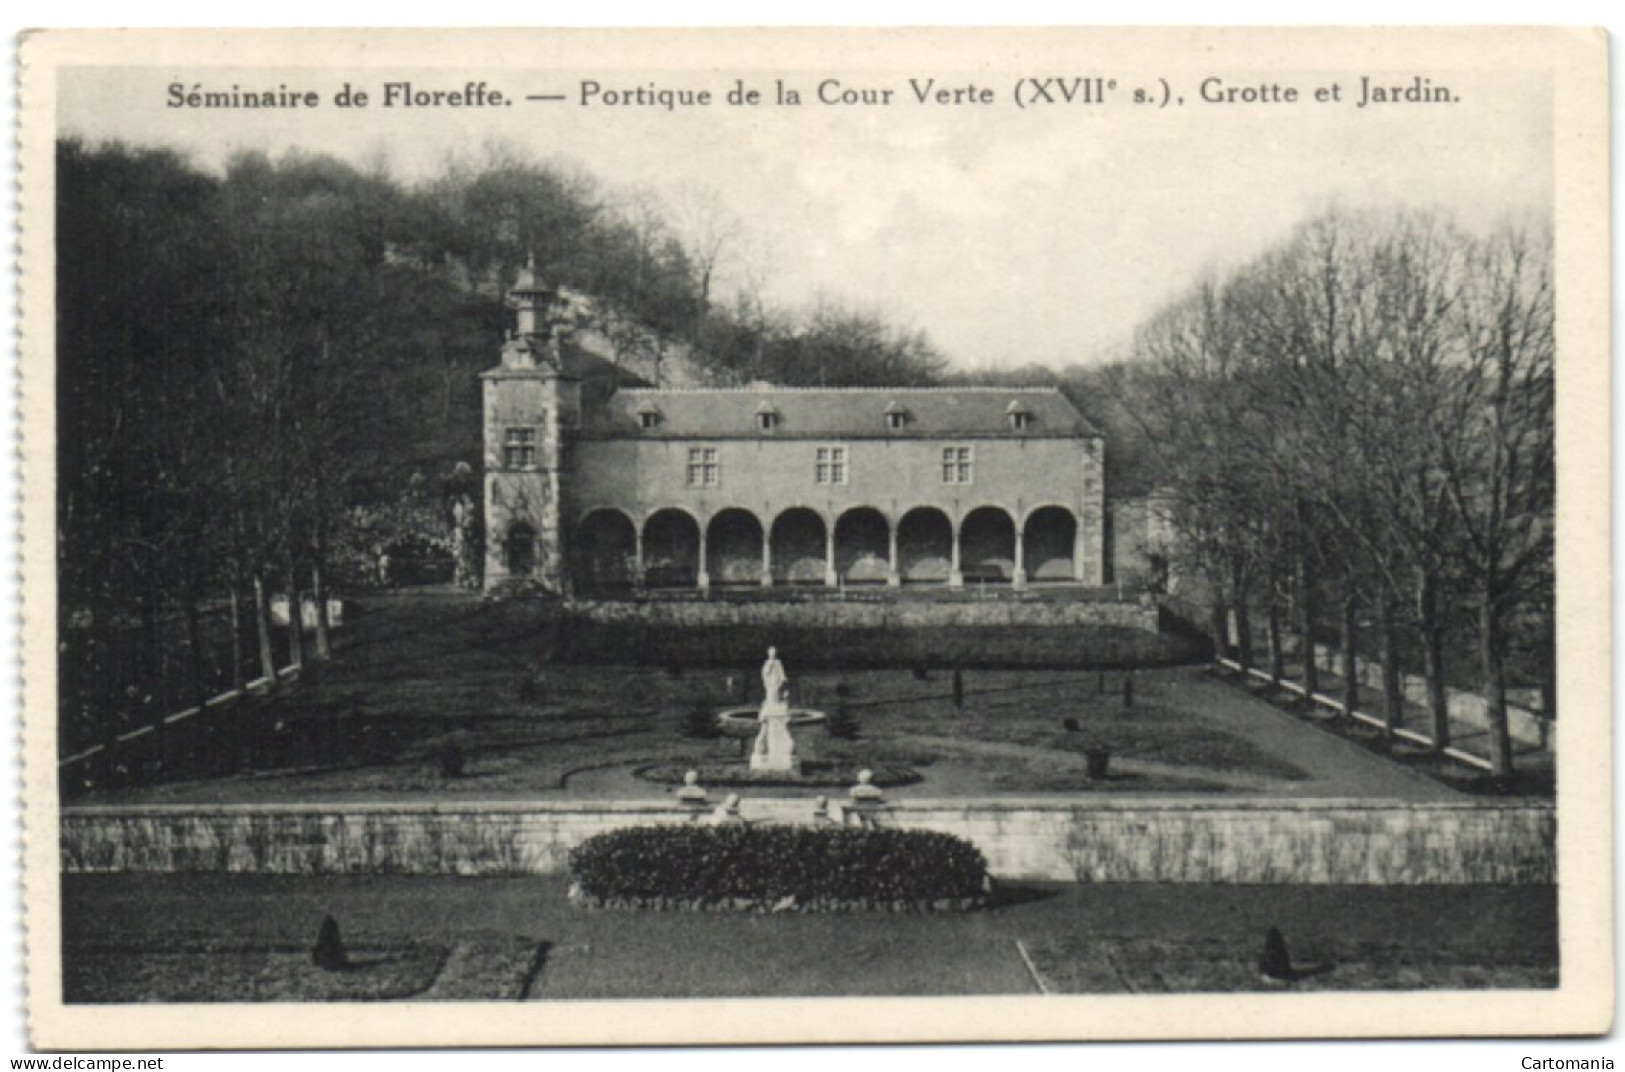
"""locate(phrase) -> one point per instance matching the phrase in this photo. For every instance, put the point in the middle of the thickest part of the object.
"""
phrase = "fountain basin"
(743, 720)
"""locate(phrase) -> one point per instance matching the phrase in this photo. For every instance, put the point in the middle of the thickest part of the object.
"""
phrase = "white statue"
(775, 683)
(775, 748)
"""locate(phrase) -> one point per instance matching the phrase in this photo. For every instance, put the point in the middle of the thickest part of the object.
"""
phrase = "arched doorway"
(604, 557)
(1047, 544)
(987, 546)
(798, 546)
(733, 548)
(925, 546)
(671, 549)
(519, 549)
(862, 546)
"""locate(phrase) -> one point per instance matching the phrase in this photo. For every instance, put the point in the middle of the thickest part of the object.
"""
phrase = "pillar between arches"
(703, 576)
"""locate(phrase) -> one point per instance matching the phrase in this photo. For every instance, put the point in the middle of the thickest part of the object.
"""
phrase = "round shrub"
(778, 867)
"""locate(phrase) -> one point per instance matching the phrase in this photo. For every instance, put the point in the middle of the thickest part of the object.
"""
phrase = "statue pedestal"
(775, 748)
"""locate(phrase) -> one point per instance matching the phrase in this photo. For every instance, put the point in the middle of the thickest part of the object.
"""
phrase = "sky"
(1009, 235)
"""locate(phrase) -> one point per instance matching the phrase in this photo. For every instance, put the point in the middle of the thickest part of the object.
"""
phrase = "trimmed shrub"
(778, 867)
(841, 723)
(452, 760)
(328, 953)
(701, 722)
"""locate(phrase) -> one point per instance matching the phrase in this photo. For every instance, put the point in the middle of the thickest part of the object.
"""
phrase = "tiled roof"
(846, 412)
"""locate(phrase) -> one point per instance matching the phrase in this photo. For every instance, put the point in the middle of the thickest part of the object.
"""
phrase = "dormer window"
(1020, 417)
(648, 416)
(896, 417)
(767, 417)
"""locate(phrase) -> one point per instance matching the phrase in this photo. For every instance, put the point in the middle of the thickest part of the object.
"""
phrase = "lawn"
(435, 694)
(507, 937)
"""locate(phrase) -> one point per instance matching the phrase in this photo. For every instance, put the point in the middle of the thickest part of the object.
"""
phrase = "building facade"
(767, 486)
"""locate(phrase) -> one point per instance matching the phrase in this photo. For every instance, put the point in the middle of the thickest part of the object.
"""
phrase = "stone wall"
(1150, 840)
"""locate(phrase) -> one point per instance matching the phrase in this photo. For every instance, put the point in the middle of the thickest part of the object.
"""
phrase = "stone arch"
(733, 547)
(798, 543)
(604, 554)
(862, 545)
(1048, 540)
(987, 545)
(925, 545)
(519, 551)
(671, 549)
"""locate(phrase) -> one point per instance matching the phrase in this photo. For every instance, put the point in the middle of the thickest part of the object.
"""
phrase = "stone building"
(589, 488)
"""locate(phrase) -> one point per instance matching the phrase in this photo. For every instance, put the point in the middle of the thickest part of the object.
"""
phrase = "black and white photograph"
(747, 524)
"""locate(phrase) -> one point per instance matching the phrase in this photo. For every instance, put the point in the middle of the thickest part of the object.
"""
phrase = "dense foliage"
(767, 866)
(268, 383)
(1356, 432)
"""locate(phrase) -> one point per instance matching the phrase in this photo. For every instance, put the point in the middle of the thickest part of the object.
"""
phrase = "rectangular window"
(703, 471)
(519, 448)
(831, 465)
(956, 465)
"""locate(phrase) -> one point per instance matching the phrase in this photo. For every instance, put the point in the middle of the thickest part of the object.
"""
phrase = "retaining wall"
(1150, 840)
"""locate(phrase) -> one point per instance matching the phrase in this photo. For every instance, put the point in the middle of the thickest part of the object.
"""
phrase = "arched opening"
(519, 549)
(925, 546)
(798, 547)
(1047, 543)
(733, 548)
(671, 550)
(987, 546)
(604, 557)
(862, 546)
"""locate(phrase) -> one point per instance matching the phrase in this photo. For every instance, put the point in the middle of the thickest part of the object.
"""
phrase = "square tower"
(530, 406)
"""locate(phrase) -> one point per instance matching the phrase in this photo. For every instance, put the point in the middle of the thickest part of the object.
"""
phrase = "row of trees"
(268, 374)
(1355, 432)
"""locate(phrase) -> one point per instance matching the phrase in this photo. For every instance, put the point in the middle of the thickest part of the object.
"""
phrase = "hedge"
(779, 868)
(578, 639)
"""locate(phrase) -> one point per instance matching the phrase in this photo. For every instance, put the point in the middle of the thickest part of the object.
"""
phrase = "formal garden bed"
(440, 697)
(376, 968)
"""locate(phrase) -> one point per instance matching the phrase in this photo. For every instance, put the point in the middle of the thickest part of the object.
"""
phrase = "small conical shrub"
(1128, 692)
(1276, 963)
(329, 953)
(921, 673)
(1070, 725)
(959, 688)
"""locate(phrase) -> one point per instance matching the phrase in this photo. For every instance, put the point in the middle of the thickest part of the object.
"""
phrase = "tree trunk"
(1495, 691)
(1244, 639)
(1306, 641)
(1277, 656)
(1393, 689)
(236, 637)
(262, 626)
(1218, 624)
(1351, 662)
(1427, 607)
(296, 621)
(194, 646)
(318, 592)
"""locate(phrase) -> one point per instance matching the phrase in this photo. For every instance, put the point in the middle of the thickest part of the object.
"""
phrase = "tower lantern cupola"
(531, 298)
